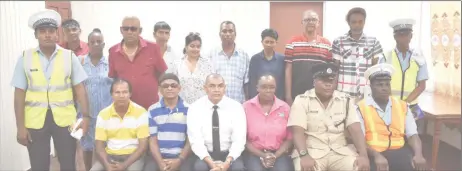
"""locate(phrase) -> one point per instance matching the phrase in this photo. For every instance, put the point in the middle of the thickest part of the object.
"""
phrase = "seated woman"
(192, 69)
(268, 139)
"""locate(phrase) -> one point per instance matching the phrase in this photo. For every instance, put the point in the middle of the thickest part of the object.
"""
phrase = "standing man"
(122, 132)
(168, 143)
(408, 83)
(71, 30)
(45, 79)
(267, 62)
(217, 129)
(162, 35)
(302, 53)
(321, 119)
(386, 121)
(138, 61)
(354, 52)
(232, 63)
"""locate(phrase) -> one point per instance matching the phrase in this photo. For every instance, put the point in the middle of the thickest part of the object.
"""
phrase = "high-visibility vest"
(55, 93)
(379, 136)
(403, 83)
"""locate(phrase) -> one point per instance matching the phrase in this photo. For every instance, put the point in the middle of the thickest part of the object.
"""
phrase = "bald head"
(215, 77)
(266, 78)
(131, 21)
(310, 13)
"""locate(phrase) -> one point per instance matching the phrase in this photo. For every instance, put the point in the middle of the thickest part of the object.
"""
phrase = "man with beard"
(302, 53)
(321, 119)
(71, 30)
(354, 52)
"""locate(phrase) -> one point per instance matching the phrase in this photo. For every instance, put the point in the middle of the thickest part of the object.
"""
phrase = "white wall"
(15, 37)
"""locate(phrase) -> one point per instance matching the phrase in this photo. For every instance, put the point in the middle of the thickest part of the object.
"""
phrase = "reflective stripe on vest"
(403, 83)
(55, 93)
(379, 136)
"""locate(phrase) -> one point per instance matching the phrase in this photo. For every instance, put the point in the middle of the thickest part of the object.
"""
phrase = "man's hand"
(84, 125)
(173, 164)
(307, 163)
(225, 166)
(269, 160)
(216, 166)
(381, 163)
(120, 166)
(23, 136)
(163, 166)
(362, 163)
(419, 163)
(111, 167)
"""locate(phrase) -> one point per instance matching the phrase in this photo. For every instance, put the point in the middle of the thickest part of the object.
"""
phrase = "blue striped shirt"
(169, 126)
(98, 85)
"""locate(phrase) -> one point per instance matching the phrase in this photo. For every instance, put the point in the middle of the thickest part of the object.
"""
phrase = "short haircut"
(120, 81)
(269, 33)
(95, 30)
(168, 76)
(70, 23)
(266, 76)
(190, 38)
(228, 22)
(356, 10)
(161, 25)
(213, 75)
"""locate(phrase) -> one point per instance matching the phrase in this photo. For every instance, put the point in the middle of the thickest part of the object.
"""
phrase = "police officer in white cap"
(388, 125)
(45, 79)
(409, 80)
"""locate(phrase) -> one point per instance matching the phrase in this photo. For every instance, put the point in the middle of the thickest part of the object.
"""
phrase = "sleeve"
(19, 79)
(352, 114)
(329, 45)
(247, 63)
(377, 51)
(289, 134)
(142, 131)
(360, 118)
(78, 74)
(152, 125)
(112, 72)
(160, 65)
(100, 130)
(289, 51)
(195, 137)
(336, 51)
(422, 74)
(297, 116)
(239, 134)
(411, 126)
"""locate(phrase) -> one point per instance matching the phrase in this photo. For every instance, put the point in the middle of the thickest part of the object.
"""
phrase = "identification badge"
(33, 70)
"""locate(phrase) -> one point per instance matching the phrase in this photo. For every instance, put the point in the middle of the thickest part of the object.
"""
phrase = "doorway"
(64, 9)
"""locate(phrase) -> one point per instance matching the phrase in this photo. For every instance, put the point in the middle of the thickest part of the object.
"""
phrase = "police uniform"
(325, 127)
(49, 106)
(385, 129)
(411, 66)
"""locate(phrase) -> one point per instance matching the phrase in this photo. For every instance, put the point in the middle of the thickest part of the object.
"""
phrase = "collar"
(312, 94)
(103, 60)
(179, 104)
(317, 39)
(220, 104)
(408, 51)
(277, 102)
(143, 43)
(371, 102)
(348, 35)
(54, 52)
(129, 111)
(235, 53)
(262, 55)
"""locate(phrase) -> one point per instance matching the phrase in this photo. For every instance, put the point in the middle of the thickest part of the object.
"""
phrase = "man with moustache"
(354, 52)
(230, 61)
(45, 79)
(138, 61)
(162, 35)
(217, 129)
(321, 119)
(302, 53)
(72, 31)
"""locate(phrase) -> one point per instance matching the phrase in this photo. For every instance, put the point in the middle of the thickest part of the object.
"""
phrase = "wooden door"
(286, 19)
(64, 9)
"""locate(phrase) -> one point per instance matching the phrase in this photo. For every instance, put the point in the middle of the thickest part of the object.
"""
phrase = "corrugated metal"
(15, 36)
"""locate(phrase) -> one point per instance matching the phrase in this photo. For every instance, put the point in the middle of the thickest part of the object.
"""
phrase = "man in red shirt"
(71, 30)
(138, 61)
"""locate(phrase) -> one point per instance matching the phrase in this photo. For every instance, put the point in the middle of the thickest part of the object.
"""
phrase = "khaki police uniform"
(325, 130)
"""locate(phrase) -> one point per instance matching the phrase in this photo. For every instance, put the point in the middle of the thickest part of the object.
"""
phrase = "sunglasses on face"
(173, 85)
(126, 28)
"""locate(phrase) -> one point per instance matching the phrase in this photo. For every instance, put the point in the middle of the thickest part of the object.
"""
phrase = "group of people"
(145, 108)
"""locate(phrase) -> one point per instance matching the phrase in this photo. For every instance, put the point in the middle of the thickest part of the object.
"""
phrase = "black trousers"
(398, 159)
(39, 149)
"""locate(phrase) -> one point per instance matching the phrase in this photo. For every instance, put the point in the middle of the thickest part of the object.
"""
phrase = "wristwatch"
(303, 153)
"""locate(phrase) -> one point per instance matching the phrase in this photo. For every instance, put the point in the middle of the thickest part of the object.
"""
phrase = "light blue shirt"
(422, 74)
(410, 127)
(19, 79)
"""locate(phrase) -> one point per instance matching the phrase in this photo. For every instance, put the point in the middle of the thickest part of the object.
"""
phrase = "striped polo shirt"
(354, 57)
(169, 126)
(303, 55)
(121, 134)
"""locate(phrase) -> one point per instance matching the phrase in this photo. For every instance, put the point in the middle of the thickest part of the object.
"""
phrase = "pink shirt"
(267, 132)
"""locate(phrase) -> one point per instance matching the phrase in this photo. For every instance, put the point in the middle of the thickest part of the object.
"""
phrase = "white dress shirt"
(233, 127)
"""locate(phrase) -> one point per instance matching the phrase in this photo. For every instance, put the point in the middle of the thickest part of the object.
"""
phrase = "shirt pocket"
(148, 67)
(314, 119)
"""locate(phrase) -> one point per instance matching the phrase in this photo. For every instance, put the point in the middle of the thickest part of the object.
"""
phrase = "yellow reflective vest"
(55, 93)
(403, 83)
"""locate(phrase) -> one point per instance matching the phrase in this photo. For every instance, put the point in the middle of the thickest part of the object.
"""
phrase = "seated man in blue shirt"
(168, 144)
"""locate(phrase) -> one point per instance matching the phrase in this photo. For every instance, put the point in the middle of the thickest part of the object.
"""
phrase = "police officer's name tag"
(339, 113)
(33, 70)
(313, 111)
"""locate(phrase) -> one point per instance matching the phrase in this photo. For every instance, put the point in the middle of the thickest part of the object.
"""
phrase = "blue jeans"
(283, 163)
(237, 165)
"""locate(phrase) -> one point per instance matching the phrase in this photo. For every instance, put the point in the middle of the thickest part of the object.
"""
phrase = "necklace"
(126, 50)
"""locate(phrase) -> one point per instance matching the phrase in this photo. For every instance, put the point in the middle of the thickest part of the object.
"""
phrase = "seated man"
(385, 120)
(320, 119)
(217, 129)
(123, 126)
(268, 139)
(168, 144)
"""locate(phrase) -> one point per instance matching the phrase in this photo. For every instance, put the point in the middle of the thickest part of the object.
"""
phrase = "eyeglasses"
(126, 28)
(309, 20)
(173, 85)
